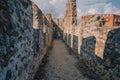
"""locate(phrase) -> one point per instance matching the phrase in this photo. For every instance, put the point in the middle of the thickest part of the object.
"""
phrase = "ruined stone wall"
(58, 28)
(48, 29)
(70, 22)
(99, 48)
(96, 40)
(23, 42)
(59, 23)
(110, 20)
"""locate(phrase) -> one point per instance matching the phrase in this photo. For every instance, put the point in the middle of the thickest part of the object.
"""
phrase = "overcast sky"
(84, 7)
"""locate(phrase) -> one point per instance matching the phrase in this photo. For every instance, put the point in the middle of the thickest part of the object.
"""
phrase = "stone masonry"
(99, 47)
(109, 20)
(25, 36)
(70, 22)
(96, 40)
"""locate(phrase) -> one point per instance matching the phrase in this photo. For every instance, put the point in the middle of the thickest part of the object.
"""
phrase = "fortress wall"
(98, 47)
(23, 42)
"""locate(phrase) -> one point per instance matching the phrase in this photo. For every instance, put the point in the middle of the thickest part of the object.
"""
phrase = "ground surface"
(59, 64)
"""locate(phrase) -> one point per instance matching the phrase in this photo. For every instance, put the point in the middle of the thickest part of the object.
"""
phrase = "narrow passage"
(59, 64)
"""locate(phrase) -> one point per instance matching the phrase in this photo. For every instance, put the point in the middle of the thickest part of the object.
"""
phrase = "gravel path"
(60, 65)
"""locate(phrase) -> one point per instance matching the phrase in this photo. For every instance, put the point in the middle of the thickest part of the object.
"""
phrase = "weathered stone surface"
(105, 51)
(108, 20)
(97, 42)
(26, 34)
(58, 28)
(4, 25)
(70, 22)
(22, 39)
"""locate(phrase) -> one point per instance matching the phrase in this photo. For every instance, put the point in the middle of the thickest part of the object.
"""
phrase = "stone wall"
(25, 36)
(58, 28)
(96, 42)
(98, 47)
(109, 20)
(70, 22)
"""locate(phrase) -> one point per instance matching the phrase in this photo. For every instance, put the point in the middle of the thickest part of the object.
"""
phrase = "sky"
(84, 7)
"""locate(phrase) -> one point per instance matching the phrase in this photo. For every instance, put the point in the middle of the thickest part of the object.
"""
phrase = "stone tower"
(70, 21)
(71, 13)
(70, 17)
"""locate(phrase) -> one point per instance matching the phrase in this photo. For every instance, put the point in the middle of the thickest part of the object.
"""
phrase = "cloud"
(84, 7)
(92, 11)
(55, 7)
(97, 7)
(109, 8)
(79, 12)
(53, 2)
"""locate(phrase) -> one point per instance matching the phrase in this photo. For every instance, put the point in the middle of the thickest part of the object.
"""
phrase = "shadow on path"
(59, 64)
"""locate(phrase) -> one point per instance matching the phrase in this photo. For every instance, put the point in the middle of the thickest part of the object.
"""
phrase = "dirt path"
(60, 65)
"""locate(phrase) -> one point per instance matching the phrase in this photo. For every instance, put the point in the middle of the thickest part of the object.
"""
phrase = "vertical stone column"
(70, 21)
(49, 18)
